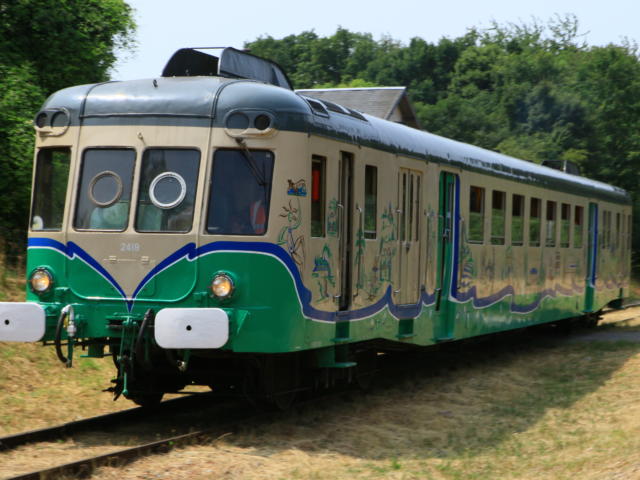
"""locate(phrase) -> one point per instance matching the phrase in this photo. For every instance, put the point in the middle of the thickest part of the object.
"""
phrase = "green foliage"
(46, 45)
(20, 97)
(67, 42)
(533, 91)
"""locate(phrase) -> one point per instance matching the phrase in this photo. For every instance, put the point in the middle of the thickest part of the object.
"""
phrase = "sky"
(165, 26)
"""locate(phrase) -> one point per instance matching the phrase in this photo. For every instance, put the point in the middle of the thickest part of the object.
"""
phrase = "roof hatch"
(190, 62)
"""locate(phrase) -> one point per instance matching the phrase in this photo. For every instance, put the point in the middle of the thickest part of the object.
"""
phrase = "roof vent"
(190, 62)
(566, 166)
(317, 107)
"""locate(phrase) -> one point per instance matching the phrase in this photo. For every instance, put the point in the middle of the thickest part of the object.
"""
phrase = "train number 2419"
(129, 247)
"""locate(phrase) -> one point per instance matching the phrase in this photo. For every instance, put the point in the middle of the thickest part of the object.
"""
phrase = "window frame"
(371, 234)
(207, 202)
(322, 203)
(551, 229)
(565, 225)
(195, 193)
(522, 203)
(498, 239)
(79, 189)
(479, 240)
(530, 241)
(578, 227)
(38, 184)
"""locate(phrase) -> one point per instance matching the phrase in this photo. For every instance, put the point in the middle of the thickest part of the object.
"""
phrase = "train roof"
(205, 101)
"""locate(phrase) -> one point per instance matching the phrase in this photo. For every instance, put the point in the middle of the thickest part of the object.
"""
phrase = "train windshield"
(167, 190)
(240, 192)
(104, 193)
(50, 188)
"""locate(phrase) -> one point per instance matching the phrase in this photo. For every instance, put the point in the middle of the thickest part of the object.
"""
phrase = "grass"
(518, 408)
(36, 390)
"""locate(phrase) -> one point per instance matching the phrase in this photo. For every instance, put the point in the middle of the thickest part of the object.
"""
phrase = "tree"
(66, 42)
(46, 45)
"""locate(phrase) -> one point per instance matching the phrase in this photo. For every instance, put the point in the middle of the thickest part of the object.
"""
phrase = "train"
(212, 226)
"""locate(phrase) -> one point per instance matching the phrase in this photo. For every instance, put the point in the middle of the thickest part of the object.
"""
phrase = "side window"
(578, 222)
(534, 222)
(417, 201)
(370, 201)
(241, 192)
(618, 231)
(50, 188)
(565, 225)
(606, 227)
(104, 192)
(498, 200)
(551, 224)
(167, 190)
(476, 214)
(318, 201)
(517, 219)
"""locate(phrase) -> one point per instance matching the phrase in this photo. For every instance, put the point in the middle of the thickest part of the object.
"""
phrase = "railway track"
(178, 415)
(57, 432)
(86, 466)
(223, 418)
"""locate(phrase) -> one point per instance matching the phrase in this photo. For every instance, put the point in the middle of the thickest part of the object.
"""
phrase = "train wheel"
(281, 380)
(283, 401)
(147, 399)
(367, 362)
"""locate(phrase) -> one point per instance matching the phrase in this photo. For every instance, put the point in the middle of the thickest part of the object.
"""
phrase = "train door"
(345, 207)
(447, 261)
(409, 201)
(592, 258)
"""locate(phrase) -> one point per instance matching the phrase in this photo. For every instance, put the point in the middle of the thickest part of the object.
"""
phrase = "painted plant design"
(290, 236)
(322, 271)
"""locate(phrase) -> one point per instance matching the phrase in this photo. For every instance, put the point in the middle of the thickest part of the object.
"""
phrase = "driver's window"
(104, 191)
(240, 192)
(167, 190)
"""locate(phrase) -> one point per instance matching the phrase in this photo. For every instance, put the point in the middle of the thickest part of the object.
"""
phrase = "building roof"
(388, 103)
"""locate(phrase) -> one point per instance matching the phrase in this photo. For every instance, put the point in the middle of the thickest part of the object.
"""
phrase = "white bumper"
(21, 322)
(191, 328)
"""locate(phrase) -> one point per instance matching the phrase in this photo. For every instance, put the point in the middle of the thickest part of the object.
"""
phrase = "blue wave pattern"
(191, 252)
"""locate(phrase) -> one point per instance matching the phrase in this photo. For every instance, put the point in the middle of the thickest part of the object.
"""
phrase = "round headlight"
(41, 280)
(222, 286)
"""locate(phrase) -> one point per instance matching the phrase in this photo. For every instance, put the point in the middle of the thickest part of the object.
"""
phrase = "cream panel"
(129, 256)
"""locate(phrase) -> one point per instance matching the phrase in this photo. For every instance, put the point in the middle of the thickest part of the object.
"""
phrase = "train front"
(155, 226)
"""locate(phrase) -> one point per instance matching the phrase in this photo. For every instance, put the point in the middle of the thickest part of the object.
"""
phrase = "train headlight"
(41, 280)
(222, 286)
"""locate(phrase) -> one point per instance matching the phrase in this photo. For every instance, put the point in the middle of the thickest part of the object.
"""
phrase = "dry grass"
(35, 388)
(534, 410)
(12, 279)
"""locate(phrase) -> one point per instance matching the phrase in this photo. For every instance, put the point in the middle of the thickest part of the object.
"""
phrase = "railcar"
(212, 226)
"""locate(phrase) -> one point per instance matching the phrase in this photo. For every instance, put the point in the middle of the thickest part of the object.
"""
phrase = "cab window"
(104, 191)
(240, 192)
(50, 188)
(167, 190)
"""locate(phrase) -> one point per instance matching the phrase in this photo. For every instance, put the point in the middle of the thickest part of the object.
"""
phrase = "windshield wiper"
(255, 171)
